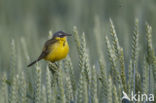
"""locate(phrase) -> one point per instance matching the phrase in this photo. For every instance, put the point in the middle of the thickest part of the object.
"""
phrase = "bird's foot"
(56, 65)
(53, 67)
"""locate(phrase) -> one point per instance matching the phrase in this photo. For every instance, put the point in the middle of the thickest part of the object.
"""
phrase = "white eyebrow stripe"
(60, 34)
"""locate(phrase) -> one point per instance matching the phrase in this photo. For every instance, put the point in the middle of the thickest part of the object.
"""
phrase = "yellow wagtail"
(54, 49)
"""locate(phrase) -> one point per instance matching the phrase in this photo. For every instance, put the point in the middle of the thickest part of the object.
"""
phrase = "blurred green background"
(31, 20)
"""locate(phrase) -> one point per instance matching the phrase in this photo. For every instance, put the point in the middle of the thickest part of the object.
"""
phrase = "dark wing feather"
(45, 50)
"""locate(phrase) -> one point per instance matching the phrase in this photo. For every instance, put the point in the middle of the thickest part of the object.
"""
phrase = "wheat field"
(112, 50)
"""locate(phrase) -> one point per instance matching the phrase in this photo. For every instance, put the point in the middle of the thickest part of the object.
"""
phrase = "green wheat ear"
(94, 86)
(134, 47)
(76, 38)
(85, 86)
(4, 89)
(48, 85)
(54, 71)
(145, 77)
(70, 80)
(135, 41)
(83, 55)
(115, 95)
(123, 75)
(68, 90)
(119, 90)
(114, 73)
(23, 88)
(84, 59)
(150, 51)
(110, 88)
(80, 91)
(13, 60)
(138, 88)
(119, 54)
(61, 86)
(70, 69)
(154, 75)
(37, 84)
(43, 95)
(130, 78)
(14, 90)
(103, 78)
(154, 69)
(116, 45)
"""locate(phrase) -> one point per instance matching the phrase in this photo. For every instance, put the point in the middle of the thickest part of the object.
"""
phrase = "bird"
(54, 49)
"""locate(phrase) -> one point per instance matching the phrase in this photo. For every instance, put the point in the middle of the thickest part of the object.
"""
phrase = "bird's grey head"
(60, 34)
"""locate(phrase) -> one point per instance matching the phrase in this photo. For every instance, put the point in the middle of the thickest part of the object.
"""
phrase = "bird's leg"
(53, 67)
(56, 65)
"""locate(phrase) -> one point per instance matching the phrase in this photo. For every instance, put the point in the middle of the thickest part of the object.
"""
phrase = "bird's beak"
(68, 34)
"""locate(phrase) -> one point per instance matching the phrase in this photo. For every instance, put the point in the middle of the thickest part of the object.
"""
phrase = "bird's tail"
(32, 63)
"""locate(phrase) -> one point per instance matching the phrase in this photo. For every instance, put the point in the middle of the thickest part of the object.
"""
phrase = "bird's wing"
(46, 50)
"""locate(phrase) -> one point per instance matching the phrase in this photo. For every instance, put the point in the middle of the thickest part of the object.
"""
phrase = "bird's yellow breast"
(58, 50)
